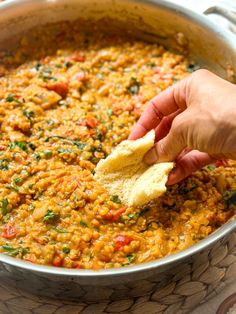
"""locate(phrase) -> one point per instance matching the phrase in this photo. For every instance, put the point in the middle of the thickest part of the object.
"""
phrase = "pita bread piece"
(123, 172)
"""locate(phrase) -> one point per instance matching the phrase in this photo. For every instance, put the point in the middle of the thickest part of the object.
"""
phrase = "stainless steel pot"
(176, 282)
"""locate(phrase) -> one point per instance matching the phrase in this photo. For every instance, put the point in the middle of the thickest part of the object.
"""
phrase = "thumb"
(166, 149)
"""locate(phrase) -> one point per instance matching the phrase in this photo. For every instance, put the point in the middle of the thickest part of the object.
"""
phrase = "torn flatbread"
(123, 172)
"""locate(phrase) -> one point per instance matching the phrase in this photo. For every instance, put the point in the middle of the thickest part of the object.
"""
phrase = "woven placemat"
(178, 291)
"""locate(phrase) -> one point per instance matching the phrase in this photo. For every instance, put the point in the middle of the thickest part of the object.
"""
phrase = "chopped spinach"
(64, 151)
(134, 86)
(4, 207)
(143, 211)
(130, 257)
(4, 164)
(67, 140)
(17, 180)
(49, 216)
(28, 114)
(21, 144)
(230, 197)
(12, 251)
(48, 153)
(186, 189)
(210, 167)
(132, 215)
(83, 223)
(11, 98)
(66, 250)
(110, 112)
(115, 199)
(61, 230)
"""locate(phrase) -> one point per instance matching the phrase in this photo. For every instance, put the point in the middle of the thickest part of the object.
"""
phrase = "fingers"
(168, 148)
(164, 104)
(188, 164)
(164, 127)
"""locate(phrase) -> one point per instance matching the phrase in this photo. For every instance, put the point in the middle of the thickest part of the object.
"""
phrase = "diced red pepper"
(90, 122)
(121, 241)
(78, 56)
(9, 232)
(114, 216)
(57, 261)
(76, 265)
(221, 162)
(30, 259)
(60, 88)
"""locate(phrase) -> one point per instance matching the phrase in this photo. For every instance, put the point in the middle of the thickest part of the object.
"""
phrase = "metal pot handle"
(226, 12)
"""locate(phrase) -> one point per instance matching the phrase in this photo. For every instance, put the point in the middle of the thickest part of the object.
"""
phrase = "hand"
(194, 122)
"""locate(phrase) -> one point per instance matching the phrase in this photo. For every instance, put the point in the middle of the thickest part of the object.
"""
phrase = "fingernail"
(150, 157)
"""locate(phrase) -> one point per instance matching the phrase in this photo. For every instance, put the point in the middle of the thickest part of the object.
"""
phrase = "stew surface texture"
(67, 98)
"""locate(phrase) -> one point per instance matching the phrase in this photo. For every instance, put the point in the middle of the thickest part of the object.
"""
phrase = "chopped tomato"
(121, 241)
(78, 56)
(114, 216)
(60, 88)
(57, 261)
(76, 265)
(221, 162)
(30, 259)
(90, 122)
(9, 232)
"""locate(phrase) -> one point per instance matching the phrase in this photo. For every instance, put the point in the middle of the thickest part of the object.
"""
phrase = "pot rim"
(147, 266)
(227, 228)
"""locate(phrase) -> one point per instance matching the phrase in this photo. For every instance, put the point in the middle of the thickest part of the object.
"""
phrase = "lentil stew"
(66, 99)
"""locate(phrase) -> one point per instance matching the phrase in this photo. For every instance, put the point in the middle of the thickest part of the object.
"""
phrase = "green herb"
(68, 64)
(110, 112)
(11, 98)
(64, 151)
(17, 180)
(229, 197)
(99, 135)
(22, 145)
(143, 211)
(38, 66)
(134, 86)
(67, 140)
(66, 250)
(61, 230)
(115, 199)
(184, 189)
(28, 114)
(4, 164)
(132, 215)
(210, 167)
(15, 251)
(83, 223)
(48, 153)
(32, 146)
(4, 206)
(37, 156)
(31, 207)
(130, 257)
(45, 75)
(151, 64)
(12, 188)
(50, 215)
(58, 66)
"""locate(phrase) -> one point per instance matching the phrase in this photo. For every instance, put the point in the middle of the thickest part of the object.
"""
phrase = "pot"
(174, 283)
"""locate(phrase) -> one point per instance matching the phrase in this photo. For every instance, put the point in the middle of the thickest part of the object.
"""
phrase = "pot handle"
(228, 13)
